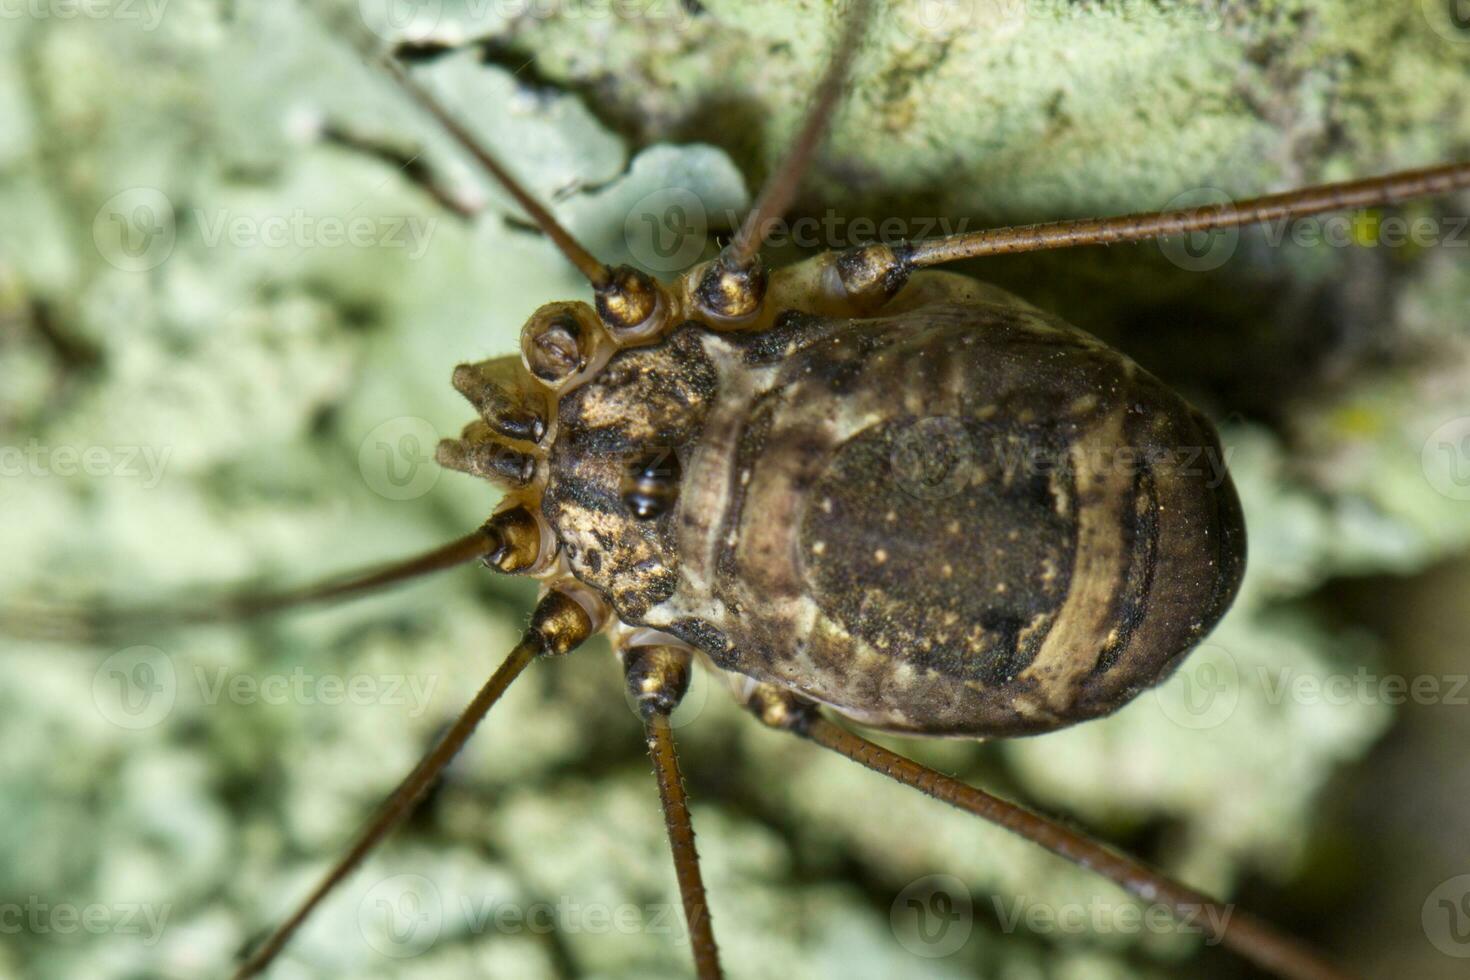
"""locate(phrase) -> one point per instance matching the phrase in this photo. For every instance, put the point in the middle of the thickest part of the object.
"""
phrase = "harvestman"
(672, 392)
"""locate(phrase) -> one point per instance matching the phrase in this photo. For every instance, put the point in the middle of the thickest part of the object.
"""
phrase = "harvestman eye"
(651, 485)
(781, 388)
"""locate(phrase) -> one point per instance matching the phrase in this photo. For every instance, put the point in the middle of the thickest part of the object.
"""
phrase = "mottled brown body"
(953, 515)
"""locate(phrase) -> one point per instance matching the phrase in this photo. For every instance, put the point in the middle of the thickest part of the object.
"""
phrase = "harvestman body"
(806, 498)
(855, 482)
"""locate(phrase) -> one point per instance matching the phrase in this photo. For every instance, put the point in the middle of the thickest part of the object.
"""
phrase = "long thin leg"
(658, 678)
(1247, 935)
(558, 625)
(596, 272)
(781, 186)
(411, 164)
(681, 838)
(60, 624)
(1372, 192)
(370, 46)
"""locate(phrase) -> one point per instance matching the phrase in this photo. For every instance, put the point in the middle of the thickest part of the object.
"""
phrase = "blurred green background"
(227, 323)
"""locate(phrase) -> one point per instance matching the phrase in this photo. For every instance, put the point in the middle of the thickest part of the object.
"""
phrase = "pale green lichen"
(276, 385)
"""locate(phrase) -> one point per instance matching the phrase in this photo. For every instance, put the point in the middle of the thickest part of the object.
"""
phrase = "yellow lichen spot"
(819, 547)
(1365, 228)
(1356, 420)
(880, 556)
(947, 570)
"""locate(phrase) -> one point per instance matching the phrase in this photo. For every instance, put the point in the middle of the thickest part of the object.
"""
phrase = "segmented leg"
(410, 164)
(780, 190)
(83, 625)
(1372, 192)
(558, 625)
(657, 679)
(1252, 938)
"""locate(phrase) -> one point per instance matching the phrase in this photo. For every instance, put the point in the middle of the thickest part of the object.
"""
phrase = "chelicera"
(758, 470)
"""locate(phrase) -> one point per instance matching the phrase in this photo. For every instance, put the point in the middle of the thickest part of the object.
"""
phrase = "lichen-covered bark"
(225, 344)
